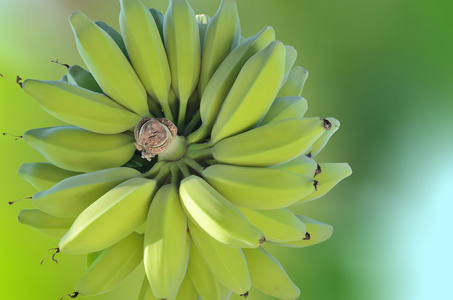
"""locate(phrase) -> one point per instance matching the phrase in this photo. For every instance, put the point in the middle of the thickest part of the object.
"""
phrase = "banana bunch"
(187, 148)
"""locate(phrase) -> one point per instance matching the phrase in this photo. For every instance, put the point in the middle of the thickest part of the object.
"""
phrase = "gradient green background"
(383, 68)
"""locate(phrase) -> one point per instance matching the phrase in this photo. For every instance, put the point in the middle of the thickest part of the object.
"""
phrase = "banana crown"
(187, 147)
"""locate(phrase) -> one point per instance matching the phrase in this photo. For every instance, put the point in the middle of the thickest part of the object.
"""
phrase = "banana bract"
(185, 146)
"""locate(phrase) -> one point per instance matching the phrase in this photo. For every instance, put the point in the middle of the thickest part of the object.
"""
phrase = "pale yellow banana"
(209, 210)
(108, 65)
(294, 83)
(89, 110)
(49, 225)
(71, 196)
(80, 150)
(285, 108)
(110, 218)
(43, 175)
(252, 93)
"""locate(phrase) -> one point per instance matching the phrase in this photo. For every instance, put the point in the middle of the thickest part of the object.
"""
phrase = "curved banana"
(89, 110)
(278, 225)
(182, 274)
(165, 241)
(223, 35)
(294, 83)
(258, 188)
(285, 108)
(206, 208)
(330, 175)
(320, 143)
(270, 144)
(71, 196)
(252, 93)
(268, 275)
(221, 81)
(47, 224)
(112, 266)
(97, 227)
(317, 232)
(203, 21)
(91, 257)
(159, 20)
(146, 293)
(290, 59)
(146, 50)
(301, 165)
(187, 290)
(43, 175)
(115, 35)
(81, 77)
(80, 150)
(182, 42)
(205, 283)
(108, 65)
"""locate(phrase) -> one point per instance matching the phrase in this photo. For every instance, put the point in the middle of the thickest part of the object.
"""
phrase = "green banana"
(49, 225)
(112, 266)
(278, 225)
(203, 21)
(71, 196)
(331, 174)
(80, 150)
(187, 290)
(285, 108)
(108, 65)
(182, 42)
(206, 208)
(81, 77)
(320, 143)
(205, 283)
(294, 83)
(115, 35)
(43, 175)
(64, 78)
(290, 59)
(182, 274)
(165, 240)
(317, 232)
(146, 293)
(252, 93)
(221, 81)
(222, 35)
(159, 20)
(146, 50)
(97, 227)
(301, 165)
(258, 188)
(227, 264)
(91, 257)
(270, 144)
(89, 110)
(268, 275)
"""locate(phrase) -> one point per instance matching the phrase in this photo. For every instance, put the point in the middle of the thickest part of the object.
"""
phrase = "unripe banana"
(108, 65)
(268, 275)
(71, 196)
(89, 110)
(187, 290)
(331, 174)
(97, 227)
(223, 35)
(146, 293)
(81, 77)
(317, 232)
(206, 208)
(183, 272)
(252, 93)
(49, 225)
(146, 50)
(278, 225)
(43, 175)
(115, 35)
(258, 188)
(270, 144)
(203, 21)
(182, 42)
(285, 108)
(205, 283)
(294, 83)
(301, 165)
(227, 264)
(221, 81)
(320, 143)
(80, 150)
(159, 20)
(91, 257)
(112, 266)
(290, 59)
(165, 240)
(64, 78)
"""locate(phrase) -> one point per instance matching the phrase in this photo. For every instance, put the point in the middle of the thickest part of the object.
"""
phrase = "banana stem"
(200, 134)
(163, 175)
(199, 151)
(191, 125)
(184, 169)
(174, 173)
(194, 165)
(12, 202)
(167, 111)
(154, 170)
(182, 114)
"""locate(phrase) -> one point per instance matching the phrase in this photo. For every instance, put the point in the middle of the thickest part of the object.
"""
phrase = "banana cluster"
(187, 147)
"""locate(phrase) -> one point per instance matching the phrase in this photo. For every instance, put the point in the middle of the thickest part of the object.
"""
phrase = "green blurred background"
(383, 68)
